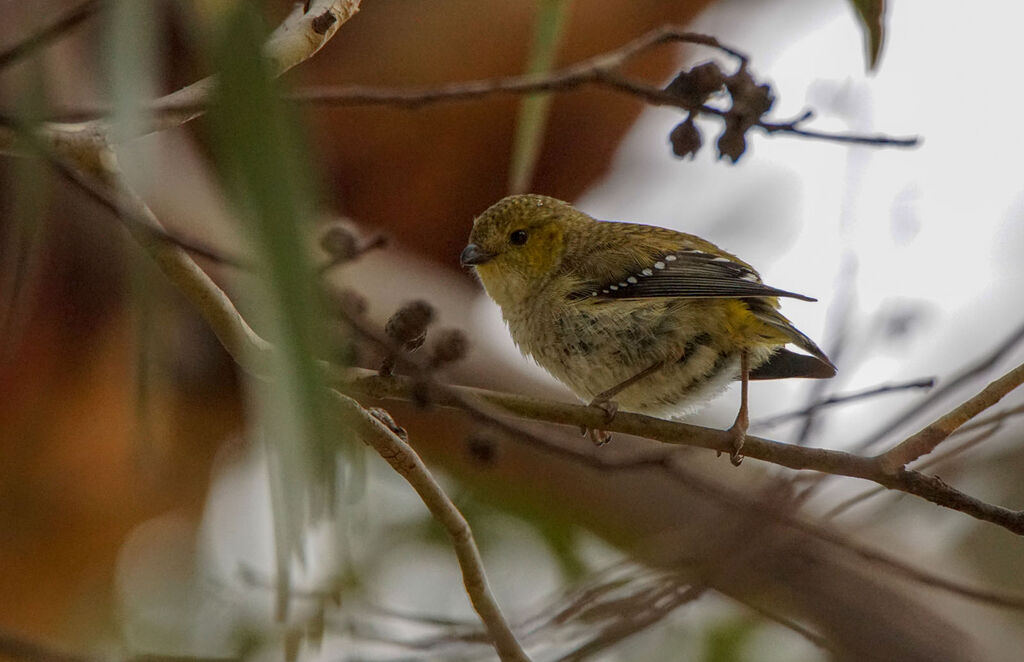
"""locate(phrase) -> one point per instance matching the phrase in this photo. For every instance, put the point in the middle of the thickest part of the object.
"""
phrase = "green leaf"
(872, 18)
(533, 109)
(265, 169)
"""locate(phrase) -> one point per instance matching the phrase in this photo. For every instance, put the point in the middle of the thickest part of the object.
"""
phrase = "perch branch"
(833, 462)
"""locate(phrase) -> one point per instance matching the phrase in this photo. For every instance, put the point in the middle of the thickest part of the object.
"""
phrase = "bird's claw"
(739, 435)
(601, 437)
(609, 407)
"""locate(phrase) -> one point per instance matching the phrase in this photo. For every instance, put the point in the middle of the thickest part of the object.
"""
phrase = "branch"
(86, 147)
(926, 440)
(1015, 337)
(96, 190)
(49, 33)
(842, 399)
(838, 463)
(602, 70)
(302, 33)
(408, 464)
(988, 430)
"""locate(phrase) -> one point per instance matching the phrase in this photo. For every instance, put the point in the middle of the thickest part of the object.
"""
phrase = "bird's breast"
(592, 345)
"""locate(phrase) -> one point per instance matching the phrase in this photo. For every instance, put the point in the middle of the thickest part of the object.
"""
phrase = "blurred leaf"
(725, 641)
(130, 39)
(131, 62)
(265, 168)
(21, 245)
(533, 109)
(872, 18)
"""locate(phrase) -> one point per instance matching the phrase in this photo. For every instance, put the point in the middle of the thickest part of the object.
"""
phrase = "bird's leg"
(604, 401)
(738, 430)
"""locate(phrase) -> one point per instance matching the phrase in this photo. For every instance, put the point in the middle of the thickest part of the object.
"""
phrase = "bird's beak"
(473, 254)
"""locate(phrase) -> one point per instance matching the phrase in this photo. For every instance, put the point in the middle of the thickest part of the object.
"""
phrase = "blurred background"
(137, 505)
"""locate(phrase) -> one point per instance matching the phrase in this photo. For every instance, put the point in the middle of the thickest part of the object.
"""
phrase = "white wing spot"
(659, 265)
(670, 258)
(647, 272)
(751, 277)
(604, 291)
(613, 287)
(719, 258)
(593, 294)
(623, 284)
(632, 279)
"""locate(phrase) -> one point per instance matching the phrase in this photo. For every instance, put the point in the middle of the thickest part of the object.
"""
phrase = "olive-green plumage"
(596, 303)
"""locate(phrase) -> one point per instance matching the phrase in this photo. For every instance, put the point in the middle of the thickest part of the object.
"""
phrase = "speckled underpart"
(591, 346)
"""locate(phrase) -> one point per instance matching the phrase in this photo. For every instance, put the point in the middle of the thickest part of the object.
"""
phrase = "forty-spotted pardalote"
(634, 317)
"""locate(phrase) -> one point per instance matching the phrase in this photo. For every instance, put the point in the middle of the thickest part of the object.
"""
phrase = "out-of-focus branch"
(302, 33)
(77, 149)
(792, 456)
(48, 33)
(831, 401)
(85, 181)
(980, 367)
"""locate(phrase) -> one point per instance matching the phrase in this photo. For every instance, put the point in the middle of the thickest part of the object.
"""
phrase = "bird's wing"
(683, 273)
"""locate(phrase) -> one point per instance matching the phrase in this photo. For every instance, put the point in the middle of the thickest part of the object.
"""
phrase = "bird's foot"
(601, 437)
(738, 433)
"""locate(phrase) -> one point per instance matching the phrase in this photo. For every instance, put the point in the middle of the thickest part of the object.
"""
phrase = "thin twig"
(600, 71)
(96, 190)
(299, 36)
(991, 429)
(980, 367)
(45, 35)
(926, 440)
(373, 243)
(845, 398)
(408, 464)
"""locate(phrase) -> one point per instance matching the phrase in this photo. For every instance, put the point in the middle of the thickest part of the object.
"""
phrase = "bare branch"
(926, 440)
(408, 464)
(100, 194)
(792, 456)
(302, 33)
(86, 146)
(599, 71)
(991, 429)
(980, 367)
(55, 30)
(842, 399)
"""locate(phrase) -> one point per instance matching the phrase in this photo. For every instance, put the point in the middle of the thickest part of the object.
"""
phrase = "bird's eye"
(518, 238)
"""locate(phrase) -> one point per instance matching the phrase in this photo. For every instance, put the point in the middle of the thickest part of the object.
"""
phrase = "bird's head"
(518, 243)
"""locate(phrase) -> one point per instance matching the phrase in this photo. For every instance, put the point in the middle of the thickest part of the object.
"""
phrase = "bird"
(634, 317)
